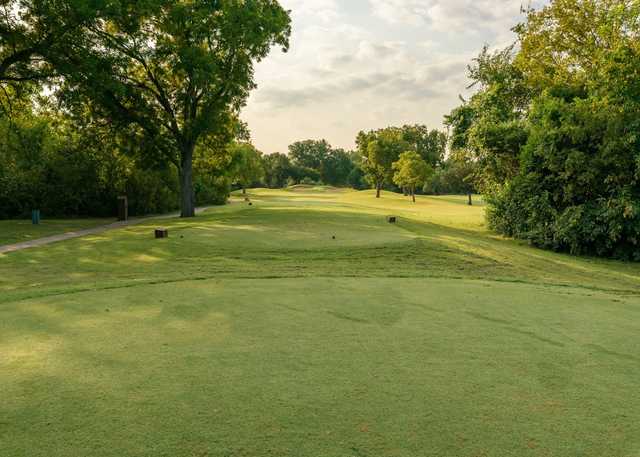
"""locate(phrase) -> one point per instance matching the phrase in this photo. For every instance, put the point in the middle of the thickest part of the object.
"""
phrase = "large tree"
(278, 169)
(173, 72)
(553, 128)
(430, 144)
(411, 171)
(379, 150)
(309, 153)
(246, 165)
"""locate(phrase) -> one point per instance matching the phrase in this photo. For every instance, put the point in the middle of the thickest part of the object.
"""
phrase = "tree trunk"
(187, 199)
(378, 188)
(413, 194)
(470, 201)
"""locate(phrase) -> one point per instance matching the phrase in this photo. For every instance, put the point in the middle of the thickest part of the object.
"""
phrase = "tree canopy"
(318, 158)
(309, 153)
(379, 149)
(553, 128)
(173, 73)
(246, 164)
(411, 171)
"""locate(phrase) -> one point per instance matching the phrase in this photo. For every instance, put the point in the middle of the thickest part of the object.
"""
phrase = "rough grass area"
(253, 331)
(17, 231)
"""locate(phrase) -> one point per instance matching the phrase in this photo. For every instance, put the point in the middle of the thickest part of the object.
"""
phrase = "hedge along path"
(7, 248)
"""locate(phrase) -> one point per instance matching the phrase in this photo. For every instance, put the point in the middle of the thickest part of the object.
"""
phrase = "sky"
(366, 64)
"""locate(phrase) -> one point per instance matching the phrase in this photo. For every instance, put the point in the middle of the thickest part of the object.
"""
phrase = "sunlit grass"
(17, 231)
(306, 325)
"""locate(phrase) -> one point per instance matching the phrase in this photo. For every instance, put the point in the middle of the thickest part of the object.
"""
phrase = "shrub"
(212, 190)
(577, 188)
(308, 181)
(68, 173)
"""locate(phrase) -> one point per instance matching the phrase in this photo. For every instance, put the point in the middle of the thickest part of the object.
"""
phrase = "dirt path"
(90, 231)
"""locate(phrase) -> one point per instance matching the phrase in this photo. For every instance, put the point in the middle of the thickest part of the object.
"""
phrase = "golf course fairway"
(306, 325)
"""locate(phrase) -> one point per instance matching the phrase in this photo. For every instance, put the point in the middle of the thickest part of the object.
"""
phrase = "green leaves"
(411, 170)
(246, 164)
(576, 188)
(174, 72)
(553, 128)
(379, 149)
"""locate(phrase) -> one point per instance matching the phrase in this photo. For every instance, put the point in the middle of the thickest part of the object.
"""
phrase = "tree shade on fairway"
(427, 337)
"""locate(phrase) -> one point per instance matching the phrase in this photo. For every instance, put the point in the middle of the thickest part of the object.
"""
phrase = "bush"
(577, 188)
(212, 190)
(68, 173)
(451, 178)
(309, 181)
(291, 182)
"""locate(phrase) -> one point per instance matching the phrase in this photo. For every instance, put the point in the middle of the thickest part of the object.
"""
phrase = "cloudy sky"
(364, 64)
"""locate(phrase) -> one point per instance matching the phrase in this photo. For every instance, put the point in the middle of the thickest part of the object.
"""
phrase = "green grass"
(252, 331)
(17, 231)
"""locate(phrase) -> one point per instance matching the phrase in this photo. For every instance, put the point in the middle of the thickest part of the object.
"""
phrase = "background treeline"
(371, 164)
(312, 162)
(67, 163)
(550, 136)
(553, 128)
(71, 166)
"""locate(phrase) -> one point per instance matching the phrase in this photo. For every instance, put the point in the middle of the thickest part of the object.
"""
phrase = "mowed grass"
(252, 331)
(17, 231)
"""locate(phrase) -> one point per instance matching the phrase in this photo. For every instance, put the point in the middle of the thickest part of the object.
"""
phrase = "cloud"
(414, 84)
(383, 50)
(348, 70)
(281, 98)
(324, 10)
(411, 12)
(449, 15)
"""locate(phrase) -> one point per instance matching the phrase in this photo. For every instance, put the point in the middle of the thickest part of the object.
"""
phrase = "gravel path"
(90, 231)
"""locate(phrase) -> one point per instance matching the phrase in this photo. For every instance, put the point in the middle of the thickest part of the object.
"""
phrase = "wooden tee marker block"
(162, 233)
(392, 219)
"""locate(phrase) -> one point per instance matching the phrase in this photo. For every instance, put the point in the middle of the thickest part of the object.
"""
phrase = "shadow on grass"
(291, 242)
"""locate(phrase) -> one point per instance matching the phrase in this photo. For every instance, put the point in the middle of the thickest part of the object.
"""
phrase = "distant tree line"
(371, 165)
(70, 165)
(313, 162)
(380, 149)
(553, 128)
